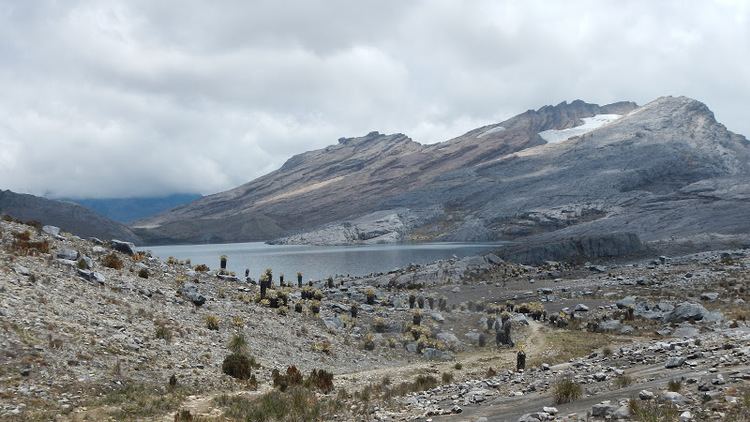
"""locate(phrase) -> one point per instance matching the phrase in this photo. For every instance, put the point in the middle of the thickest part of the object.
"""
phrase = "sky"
(144, 98)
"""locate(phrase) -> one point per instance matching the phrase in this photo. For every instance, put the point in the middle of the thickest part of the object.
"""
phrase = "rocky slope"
(666, 169)
(97, 332)
(68, 216)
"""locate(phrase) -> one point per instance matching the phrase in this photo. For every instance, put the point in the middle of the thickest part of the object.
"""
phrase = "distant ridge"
(70, 217)
(128, 210)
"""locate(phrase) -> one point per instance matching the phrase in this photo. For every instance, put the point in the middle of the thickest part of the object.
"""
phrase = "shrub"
(321, 380)
(623, 381)
(143, 273)
(23, 245)
(111, 260)
(315, 307)
(458, 366)
(369, 342)
(238, 344)
(652, 411)
(238, 322)
(447, 377)
(292, 377)
(491, 372)
(322, 347)
(416, 317)
(296, 404)
(237, 365)
(370, 295)
(379, 325)
(202, 268)
(163, 332)
(566, 391)
(674, 385)
(212, 322)
(607, 351)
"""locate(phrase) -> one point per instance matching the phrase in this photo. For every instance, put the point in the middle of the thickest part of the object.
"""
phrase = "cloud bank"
(140, 98)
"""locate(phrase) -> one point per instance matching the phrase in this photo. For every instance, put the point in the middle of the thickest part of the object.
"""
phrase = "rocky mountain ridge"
(667, 169)
(70, 217)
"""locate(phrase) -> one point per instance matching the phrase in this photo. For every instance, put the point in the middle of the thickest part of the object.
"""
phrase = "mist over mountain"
(128, 210)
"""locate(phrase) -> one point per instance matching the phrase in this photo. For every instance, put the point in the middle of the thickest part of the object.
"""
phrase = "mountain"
(666, 169)
(128, 210)
(70, 217)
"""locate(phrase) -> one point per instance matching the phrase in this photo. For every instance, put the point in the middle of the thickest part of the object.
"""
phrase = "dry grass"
(566, 391)
(563, 345)
(112, 261)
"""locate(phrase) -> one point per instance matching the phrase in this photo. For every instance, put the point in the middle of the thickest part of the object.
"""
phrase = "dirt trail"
(512, 408)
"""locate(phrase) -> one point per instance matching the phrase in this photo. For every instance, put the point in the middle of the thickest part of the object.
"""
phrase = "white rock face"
(589, 124)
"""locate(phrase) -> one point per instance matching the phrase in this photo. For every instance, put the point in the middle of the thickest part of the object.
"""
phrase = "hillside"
(666, 169)
(70, 217)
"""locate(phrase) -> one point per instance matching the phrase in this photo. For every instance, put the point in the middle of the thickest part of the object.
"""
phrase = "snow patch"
(491, 131)
(589, 124)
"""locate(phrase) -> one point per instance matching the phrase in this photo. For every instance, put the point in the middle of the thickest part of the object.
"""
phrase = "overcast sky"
(137, 98)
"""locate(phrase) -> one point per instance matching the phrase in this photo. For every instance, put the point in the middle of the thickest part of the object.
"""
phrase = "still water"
(317, 262)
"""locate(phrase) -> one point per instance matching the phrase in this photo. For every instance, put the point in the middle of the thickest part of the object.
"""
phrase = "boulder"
(626, 302)
(20, 269)
(673, 397)
(709, 296)
(91, 276)
(581, 308)
(127, 248)
(448, 338)
(687, 311)
(435, 354)
(68, 254)
(333, 323)
(674, 362)
(53, 231)
(190, 292)
(603, 409)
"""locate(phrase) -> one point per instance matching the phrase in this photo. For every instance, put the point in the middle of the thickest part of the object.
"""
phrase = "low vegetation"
(566, 391)
(112, 260)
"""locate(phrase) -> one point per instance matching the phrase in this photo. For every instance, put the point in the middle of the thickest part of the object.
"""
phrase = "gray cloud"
(130, 98)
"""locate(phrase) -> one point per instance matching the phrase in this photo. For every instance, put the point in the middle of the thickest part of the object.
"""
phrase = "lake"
(317, 262)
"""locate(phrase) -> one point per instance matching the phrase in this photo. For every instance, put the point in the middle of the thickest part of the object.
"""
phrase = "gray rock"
(190, 292)
(603, 409)
(53, 231)
(333, 323)
(646, 395)
(87, 262)
(685, 330)
(626, 302)
(673, 397)
(709, 296)
(674, 362)
(449, 338)
(127, 248)
(435, 354)
(68, 254)
(20, 269)
(622, 412)
(687, 311)
(581, 308)
(91, 276)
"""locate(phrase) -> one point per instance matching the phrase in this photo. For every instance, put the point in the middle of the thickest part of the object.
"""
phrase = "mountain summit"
(663, 169)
